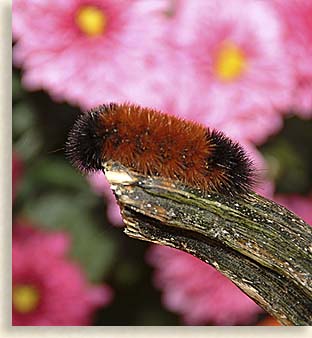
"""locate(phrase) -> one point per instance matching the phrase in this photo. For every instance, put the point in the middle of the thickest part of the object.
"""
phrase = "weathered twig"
(261, 246)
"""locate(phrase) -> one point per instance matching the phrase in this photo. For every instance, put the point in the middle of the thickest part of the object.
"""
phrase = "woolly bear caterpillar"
(157, 144)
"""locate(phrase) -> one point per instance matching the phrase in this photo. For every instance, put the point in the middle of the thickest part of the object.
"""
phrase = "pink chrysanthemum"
(236, 73)
(297, 17)
(197, 291)
(48, 288)
(300, 205)
(87, 51)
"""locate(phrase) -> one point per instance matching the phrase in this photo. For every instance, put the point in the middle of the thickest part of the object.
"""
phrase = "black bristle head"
(84, 143)
(231, 158)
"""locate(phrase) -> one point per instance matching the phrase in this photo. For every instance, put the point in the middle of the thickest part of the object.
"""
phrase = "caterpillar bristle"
(84, 147)
(158, 144)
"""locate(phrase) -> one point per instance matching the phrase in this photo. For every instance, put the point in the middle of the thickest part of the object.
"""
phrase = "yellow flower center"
(230, 62)
(25, 298)
(91, 20)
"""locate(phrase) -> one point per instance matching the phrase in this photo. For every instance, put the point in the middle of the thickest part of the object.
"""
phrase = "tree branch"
(261, 246)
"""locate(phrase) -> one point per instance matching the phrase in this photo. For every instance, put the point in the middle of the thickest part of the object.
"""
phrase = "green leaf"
(23, 118)
(17, 89)
(28, 145)
(54, 173)
(26, 137)
(94, 249)
(286, 165)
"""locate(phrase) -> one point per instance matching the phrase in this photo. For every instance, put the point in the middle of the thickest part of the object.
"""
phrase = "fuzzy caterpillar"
(158, 144)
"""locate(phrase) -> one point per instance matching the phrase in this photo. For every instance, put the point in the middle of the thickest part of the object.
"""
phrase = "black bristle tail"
(230, 157)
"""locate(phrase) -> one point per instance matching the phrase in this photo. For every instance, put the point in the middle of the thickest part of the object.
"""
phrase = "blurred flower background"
(241, 66)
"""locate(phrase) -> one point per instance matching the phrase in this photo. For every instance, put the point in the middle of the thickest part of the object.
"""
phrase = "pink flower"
(300, 205)
(235, 70)
(297, 17)
(17, 169)
(48, 288)
(198, 292)
(87, 51)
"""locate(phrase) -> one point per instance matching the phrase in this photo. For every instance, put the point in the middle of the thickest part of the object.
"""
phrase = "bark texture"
(264, 249)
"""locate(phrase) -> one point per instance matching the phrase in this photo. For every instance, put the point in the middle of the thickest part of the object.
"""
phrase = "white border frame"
(6, 330)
